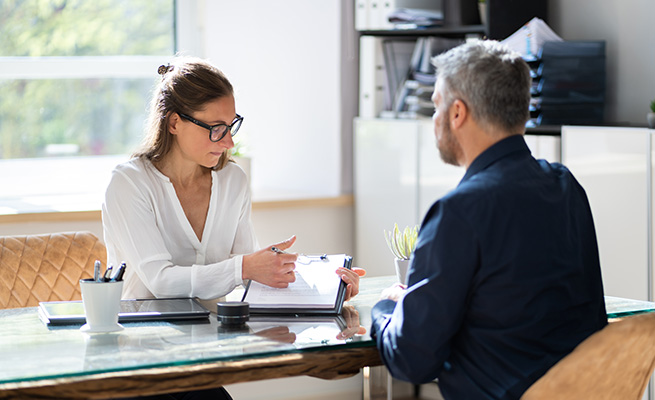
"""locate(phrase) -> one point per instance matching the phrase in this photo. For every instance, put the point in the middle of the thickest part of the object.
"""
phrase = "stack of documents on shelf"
(397, 76)
(379, 14)
(530, 38)
(414, 94)
(408, 18)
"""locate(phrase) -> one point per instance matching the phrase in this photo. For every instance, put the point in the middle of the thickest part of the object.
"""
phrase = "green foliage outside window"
(99, 115)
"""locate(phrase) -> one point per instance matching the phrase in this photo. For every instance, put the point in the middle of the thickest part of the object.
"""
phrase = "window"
(75, 78)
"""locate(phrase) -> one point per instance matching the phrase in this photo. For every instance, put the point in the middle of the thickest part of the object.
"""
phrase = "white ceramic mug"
(102, 303)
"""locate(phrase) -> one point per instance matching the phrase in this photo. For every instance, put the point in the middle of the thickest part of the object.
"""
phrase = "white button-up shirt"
(145, 226)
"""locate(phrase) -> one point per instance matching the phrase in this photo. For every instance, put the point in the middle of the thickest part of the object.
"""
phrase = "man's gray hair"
(493, 81)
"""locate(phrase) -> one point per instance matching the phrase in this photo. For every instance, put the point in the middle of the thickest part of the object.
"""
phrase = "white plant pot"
(650, 117)
(401, 270)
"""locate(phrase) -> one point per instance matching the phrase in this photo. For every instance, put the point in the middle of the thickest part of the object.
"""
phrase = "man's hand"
(395, 292)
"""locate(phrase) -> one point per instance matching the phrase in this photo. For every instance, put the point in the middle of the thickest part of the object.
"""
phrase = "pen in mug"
(107, 275)
(118, 276)
(96, 271)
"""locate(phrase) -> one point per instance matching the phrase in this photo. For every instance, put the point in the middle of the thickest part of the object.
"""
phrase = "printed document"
(317, 286)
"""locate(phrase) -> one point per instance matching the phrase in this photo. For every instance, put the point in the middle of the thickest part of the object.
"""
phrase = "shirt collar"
(511, 144)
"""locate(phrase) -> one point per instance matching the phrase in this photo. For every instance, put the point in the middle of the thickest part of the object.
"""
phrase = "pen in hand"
(278, 251)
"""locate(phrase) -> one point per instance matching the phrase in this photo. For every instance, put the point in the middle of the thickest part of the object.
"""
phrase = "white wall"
(283, 58)
(627, 27)
(319, 229)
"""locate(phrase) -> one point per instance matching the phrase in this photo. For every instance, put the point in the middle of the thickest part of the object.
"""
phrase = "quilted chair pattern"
(48, 267)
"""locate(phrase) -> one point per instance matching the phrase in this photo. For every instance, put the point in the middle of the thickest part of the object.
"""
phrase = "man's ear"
(173, 120)
(457, 114)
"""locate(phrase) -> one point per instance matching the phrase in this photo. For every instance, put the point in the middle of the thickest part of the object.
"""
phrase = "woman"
(178, 213)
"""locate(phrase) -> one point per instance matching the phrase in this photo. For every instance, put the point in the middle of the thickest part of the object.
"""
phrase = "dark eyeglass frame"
(233, 128)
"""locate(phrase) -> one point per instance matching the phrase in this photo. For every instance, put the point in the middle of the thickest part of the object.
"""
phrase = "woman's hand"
(271, 268)
(278, 333)
(351, 278)
(352, 321)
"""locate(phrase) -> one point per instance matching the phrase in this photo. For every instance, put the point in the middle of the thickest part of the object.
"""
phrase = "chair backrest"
(614, 363)
(48, 267)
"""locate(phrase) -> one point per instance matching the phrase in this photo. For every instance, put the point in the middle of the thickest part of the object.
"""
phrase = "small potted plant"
(651, 115)
(402, 245)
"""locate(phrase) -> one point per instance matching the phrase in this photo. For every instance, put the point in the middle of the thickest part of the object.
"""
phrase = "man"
(505, 279)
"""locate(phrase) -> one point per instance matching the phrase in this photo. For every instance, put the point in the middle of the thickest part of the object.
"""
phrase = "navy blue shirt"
(504, 282)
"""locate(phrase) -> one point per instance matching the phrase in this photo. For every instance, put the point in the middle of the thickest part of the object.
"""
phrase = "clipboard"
(318, 290)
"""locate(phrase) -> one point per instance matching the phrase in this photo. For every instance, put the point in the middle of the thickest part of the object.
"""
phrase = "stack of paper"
(530, 38)
(317, 289)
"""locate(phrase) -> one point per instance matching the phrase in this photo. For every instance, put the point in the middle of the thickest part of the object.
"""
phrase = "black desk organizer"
(569, 84)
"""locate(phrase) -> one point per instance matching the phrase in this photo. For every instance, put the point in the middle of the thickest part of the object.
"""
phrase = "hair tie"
(163, 69)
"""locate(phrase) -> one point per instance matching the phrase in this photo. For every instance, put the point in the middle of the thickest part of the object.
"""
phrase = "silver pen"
(107, 276)
(96, 271)
(278, 251)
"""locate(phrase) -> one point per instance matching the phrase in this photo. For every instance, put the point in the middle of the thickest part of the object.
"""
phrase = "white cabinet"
(386, 174)
(614, 166)
(398, 176)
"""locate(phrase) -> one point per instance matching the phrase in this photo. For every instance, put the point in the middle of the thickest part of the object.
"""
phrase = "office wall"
(284, 60)
(626, 26)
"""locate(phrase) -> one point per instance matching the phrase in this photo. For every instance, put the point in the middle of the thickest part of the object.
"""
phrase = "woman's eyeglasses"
(218, 131)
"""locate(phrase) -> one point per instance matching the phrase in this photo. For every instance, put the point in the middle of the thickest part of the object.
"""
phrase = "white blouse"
(145, 226)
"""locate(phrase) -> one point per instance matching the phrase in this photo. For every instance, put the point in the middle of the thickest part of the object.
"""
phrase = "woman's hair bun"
(163, 69)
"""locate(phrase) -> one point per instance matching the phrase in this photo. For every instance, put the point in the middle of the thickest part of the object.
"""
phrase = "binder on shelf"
(372, 77)
(378, 14)
(418, 85)
(361, 15)
(397, 59)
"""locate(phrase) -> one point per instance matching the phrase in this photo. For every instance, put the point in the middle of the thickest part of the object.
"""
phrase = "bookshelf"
(397, 170)
(444, 31)
(382, 92)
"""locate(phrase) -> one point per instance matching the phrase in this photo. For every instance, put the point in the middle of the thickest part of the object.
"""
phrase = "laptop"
(72, 312)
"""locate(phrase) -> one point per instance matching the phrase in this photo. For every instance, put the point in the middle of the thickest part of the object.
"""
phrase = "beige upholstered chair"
(36, 268)
(614, 363)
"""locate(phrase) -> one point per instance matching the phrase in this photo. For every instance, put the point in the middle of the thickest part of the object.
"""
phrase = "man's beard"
(449, 148)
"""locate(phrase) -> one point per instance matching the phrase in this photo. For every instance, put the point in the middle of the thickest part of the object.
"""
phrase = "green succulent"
(652, 106)
(402, 243)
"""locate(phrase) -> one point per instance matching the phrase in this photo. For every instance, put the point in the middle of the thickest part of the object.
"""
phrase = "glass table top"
(30, 350)
(618, 307)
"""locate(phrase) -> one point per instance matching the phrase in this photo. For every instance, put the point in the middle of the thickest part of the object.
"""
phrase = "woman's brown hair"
(187, 85)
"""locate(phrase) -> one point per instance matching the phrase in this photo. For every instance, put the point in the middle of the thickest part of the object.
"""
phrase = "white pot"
(651, 120)
(401, 270)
